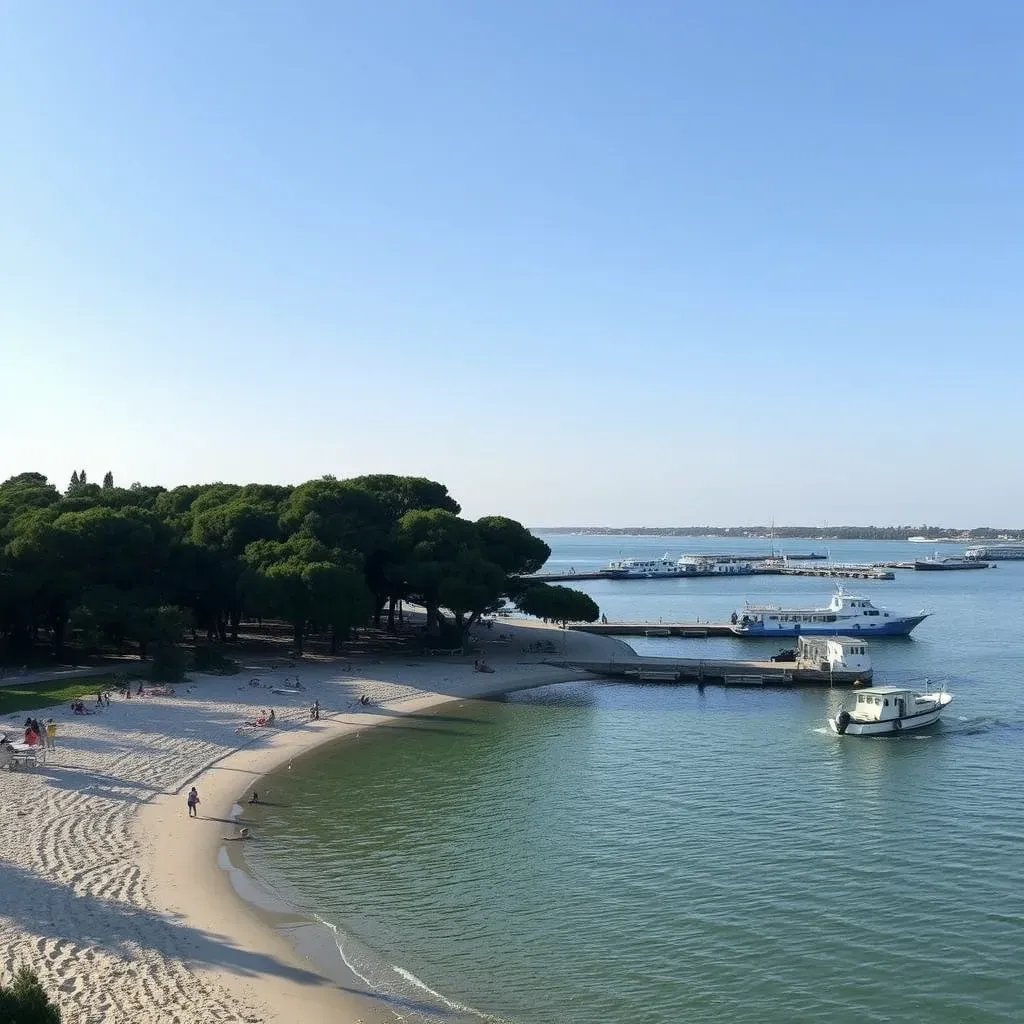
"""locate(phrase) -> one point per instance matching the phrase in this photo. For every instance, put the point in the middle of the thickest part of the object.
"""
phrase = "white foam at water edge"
(341, 951)
(410, 977)
(402, 973)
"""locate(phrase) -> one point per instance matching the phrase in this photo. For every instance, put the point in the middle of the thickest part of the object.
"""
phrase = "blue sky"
(585, 262)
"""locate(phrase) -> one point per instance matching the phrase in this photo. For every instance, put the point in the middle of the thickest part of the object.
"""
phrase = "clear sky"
(586, 262)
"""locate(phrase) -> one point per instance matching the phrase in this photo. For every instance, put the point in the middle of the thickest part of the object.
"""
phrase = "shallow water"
(621, 853)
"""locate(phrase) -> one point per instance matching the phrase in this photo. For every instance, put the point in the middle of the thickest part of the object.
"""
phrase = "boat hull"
(888, 627)
(957, 567)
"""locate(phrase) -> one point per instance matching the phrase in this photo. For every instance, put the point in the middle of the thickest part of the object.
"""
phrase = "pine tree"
(81, 478)
(108, 480)
(75, 482)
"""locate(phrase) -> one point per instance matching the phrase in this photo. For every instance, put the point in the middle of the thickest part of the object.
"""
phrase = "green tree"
(25, 1002)
(303, 581)
(446, 567)
(510, 545)
(561, 604)
(108, 480)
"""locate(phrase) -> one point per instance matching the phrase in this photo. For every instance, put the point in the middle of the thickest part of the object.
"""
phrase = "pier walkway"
(722, 671)
(840, 572)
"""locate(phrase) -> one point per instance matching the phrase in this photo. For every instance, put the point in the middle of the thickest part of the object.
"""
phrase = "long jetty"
(843, 572)
(726, 672)
(698, 630)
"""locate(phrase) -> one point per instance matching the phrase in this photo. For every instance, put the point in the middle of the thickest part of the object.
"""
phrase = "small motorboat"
(889, 709)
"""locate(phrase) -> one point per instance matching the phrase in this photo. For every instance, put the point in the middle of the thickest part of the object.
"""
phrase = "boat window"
(887, 702)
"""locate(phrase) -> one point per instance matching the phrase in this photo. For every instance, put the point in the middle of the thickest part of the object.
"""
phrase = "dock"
(720, 671)
(840, 572)
(697, 630)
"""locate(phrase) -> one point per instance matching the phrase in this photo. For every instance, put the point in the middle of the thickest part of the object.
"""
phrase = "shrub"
(25, 1002)
(169, 664)
(214, 661)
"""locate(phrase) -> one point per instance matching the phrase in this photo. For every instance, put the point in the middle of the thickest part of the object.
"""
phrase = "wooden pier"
(721, 671)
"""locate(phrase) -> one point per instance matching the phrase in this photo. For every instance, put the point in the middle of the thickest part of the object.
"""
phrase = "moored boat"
(642, 568)
(945, 564)
(845, 615)
(885, 710)
(995, 552)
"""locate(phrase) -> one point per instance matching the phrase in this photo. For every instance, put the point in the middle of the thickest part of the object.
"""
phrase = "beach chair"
(25, 757)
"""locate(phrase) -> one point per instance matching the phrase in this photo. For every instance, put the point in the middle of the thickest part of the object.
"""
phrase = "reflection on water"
(621, 853)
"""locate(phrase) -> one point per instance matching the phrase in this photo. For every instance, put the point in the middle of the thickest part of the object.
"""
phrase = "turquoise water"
(601, 852)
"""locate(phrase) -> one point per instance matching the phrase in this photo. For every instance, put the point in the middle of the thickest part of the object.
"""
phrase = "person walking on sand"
(193, 802)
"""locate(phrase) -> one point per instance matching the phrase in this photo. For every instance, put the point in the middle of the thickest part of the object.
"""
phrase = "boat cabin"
(834, 654)
(883, 703)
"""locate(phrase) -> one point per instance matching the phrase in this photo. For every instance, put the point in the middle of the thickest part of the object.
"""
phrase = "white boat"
(708, 565)
(845, 615)
(665, 567)
(995, 552)
(884, 710)
(642, 568)
(925, 540)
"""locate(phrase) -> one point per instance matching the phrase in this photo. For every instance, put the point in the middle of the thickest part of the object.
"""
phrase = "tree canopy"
(102, 564)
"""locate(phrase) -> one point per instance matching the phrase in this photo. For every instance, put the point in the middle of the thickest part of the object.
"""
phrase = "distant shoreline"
(894, 533)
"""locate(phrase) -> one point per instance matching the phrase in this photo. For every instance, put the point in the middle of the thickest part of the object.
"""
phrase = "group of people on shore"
(39, 734)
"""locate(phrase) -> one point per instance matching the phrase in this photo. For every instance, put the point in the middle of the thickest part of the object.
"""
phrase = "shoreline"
(130, 883)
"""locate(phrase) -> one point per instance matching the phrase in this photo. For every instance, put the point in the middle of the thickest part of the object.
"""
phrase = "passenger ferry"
(702, 565)
(664, 567)
(845, 615)
(641, 568)
(995, 552)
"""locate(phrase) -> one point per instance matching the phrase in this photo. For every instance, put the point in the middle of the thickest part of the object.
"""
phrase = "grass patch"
(54, 691)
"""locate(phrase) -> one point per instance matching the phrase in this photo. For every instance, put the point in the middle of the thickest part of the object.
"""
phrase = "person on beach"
(193, 802)
(255, 798)
(314, 711)
(51, 733)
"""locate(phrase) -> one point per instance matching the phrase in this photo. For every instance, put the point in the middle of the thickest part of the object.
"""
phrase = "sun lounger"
(24, 755)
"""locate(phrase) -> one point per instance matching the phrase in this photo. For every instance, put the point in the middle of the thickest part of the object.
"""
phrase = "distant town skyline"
(581, 262)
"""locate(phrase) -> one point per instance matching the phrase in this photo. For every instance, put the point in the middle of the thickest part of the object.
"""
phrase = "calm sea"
(600, 853)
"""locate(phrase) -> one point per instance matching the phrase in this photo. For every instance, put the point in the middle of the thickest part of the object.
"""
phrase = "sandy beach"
(123, 905)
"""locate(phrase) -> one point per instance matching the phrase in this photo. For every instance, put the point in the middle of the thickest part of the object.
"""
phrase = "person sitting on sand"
(271, 718)
(260, 719)
(364, 700)
(255, 798)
